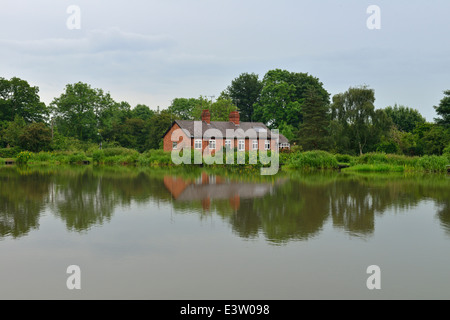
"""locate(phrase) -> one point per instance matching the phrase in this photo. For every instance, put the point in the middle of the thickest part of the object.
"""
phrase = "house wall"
(220, 143)
(168, 138)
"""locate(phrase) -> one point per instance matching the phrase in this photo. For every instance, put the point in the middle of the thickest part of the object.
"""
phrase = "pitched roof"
(197, 129)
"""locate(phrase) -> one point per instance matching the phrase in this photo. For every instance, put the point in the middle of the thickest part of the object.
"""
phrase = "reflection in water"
(212, 187)
(22, 198)
(281, 208)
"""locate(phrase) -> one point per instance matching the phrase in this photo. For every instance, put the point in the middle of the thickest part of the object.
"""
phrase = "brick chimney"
(206, 116)
(234, 117)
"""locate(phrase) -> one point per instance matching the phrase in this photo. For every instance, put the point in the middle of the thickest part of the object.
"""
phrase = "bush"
(344, 158)
(313, 160)
(9, 152)
(42, 156)
(23, 157)
(77, 158)
(372, 158)
(447, 153)
(433, 163)
(98, 156)
(118, 151)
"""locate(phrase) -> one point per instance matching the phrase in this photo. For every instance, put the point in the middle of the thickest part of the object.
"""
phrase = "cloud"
(94, 42)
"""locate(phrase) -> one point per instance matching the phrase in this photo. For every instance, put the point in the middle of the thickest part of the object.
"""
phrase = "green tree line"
(295, 103)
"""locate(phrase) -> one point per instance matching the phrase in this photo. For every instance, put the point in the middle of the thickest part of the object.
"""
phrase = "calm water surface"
(172, 234)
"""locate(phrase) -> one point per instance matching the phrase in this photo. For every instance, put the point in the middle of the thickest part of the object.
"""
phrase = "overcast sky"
(151, 52)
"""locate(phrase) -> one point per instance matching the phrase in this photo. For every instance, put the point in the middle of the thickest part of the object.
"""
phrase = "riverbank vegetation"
(85, 125)
(308, 160)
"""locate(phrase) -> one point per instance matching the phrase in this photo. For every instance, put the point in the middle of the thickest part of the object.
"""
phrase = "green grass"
(381, 162)
(312, 160)
(309, 160)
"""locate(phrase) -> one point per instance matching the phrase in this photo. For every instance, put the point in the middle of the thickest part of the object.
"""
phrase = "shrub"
(98, 156)
(42, 156)
(118, 151)
(433, 163)
(313, 160)
(372, 158)
(23, 157)
(344, 158)
(77, 158)
(9, 152)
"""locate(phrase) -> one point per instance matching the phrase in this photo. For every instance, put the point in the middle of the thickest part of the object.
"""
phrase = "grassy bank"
(309, 160)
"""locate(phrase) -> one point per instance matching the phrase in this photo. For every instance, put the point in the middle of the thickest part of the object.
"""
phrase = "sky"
(151, 52)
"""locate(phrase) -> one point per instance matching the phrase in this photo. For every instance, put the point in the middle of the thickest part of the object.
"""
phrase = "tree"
(13, 131)
(314, 129)
(406, 119)
(133, 134)
(443, 110)
(81, 111)
(244, 92)
(35, 137)
(157, 126)
(282, 97)
(183, 108)
(112, 117)
(18, 98)
(143, 112)
(219, 110)
(355, 117)
(431, 139)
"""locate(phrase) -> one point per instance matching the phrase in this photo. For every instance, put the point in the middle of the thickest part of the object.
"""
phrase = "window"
(241, 145)
(228, 144)
(267, 145)
(198, 144)
(255, 144)
(174, 145)
(212, 145)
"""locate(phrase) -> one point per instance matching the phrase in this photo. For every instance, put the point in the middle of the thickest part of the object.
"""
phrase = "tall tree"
(244, 92)
(314, 129)
(18, 98)
(183, 108)
(443, 110)
(81, 111)
(219, 110)
(157, 126)
(355, 117)
(404, 118)
(141, 111)
(282, 97)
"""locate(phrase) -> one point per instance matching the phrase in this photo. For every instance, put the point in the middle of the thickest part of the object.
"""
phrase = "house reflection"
(207, 188)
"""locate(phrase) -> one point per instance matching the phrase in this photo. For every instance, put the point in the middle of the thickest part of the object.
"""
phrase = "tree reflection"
(281, 209)
(22, 198)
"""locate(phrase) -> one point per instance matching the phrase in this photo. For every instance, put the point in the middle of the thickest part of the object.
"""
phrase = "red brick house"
(200, 135)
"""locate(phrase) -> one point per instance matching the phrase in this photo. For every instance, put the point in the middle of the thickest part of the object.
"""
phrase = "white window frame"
(243, 145)
(228, 144)
(195, 144)
(267, 142)
(212, 144)
(174, 145)
(255, 144)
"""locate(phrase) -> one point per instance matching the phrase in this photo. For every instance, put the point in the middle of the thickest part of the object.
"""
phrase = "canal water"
(142, 233)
